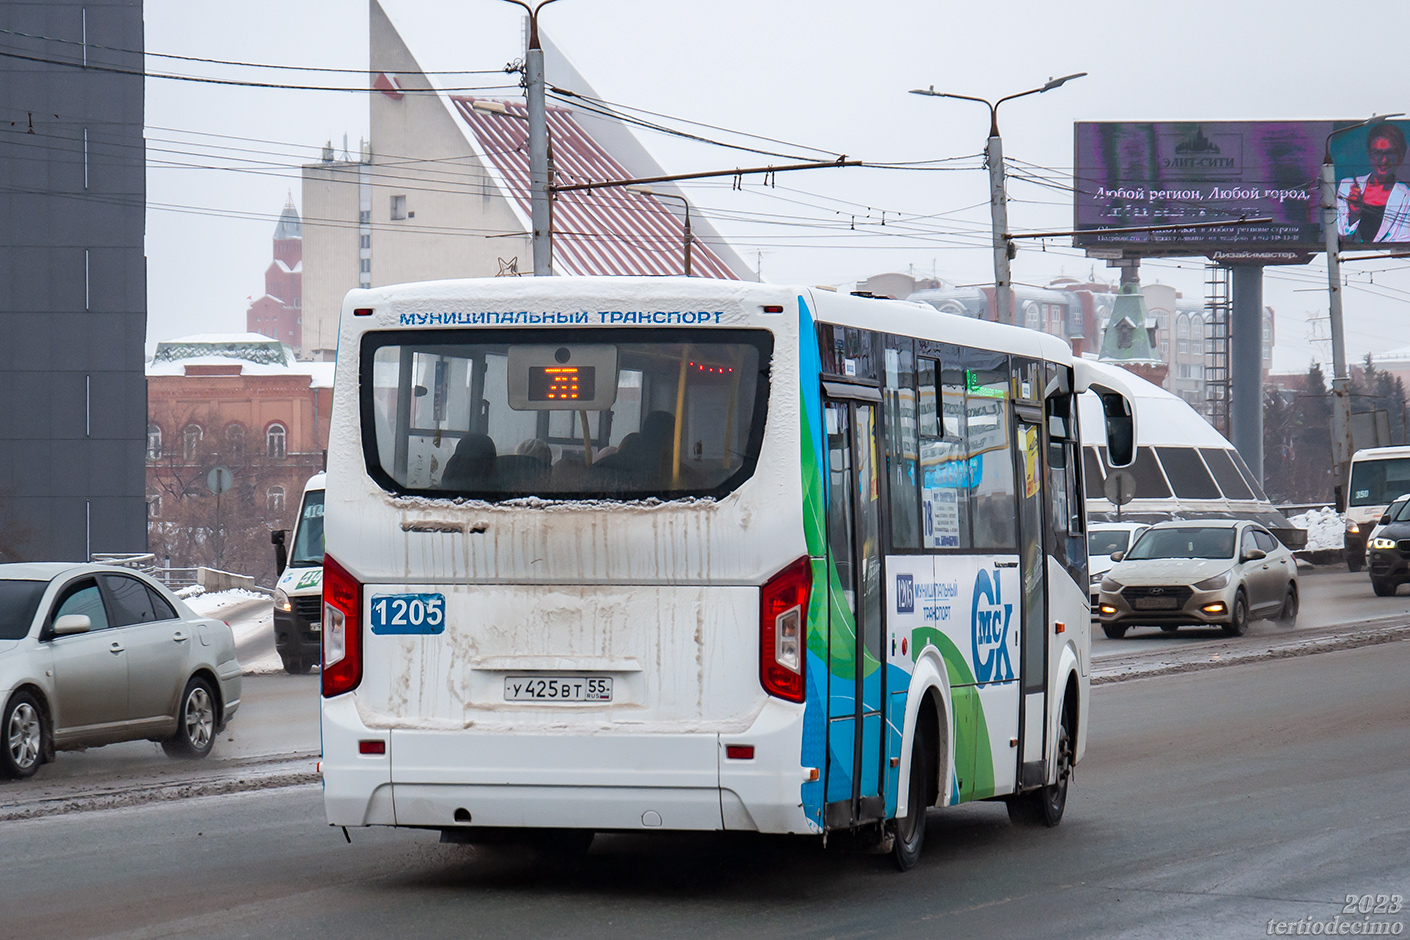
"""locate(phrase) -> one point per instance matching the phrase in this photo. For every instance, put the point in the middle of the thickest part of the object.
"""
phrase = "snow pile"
(1326, 528)
(206, 604)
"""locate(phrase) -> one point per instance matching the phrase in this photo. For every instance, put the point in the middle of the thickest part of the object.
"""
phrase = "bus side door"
(855, 678)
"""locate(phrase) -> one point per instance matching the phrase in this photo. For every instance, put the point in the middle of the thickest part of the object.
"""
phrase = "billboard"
(1373, 198)
(1134, 175)
(1131, 174)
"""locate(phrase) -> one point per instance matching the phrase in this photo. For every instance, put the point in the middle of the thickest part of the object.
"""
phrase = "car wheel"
(1288, 616)
(1045, 806)
(23, 727)
(1113, 630)
(195, 723)
(1383, 588)
(1169, 627)
(1238, 620)
(910, 832)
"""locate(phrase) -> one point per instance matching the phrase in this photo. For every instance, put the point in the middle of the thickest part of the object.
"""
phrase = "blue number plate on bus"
(408, 614)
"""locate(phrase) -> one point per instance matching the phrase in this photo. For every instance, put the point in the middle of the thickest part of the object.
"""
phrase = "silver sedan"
(1211, 571)
(91, 654)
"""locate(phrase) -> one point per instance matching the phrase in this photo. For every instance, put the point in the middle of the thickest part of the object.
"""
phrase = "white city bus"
(622, 554)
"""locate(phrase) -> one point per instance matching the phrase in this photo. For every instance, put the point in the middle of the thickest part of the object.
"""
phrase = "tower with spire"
(279, 313)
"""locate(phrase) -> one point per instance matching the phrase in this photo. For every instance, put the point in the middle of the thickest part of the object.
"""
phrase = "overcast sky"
(824, 74)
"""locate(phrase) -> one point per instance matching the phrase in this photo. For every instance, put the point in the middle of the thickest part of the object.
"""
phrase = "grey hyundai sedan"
(1222, 572)
(92, 654)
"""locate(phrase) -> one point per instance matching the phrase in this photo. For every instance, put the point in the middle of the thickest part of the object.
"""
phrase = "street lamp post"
(1341, 380)
(647, 191)
(538, 144)
(998, 201)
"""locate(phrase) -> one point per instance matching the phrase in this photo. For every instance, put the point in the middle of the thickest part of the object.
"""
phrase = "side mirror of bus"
(1339, 496)
(1117, 556)
(281, 553)
(1120, 429)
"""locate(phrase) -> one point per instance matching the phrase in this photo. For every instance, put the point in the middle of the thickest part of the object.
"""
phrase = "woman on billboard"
(1376, 207)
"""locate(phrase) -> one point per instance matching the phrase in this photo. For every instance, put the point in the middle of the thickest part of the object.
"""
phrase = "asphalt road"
(1208, 805)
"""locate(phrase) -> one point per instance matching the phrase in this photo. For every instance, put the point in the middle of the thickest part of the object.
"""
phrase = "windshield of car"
(1104, 543)
(308, 543)
(595, 414)
(1191, 542)
(1400, 512)
(18, 602)
(1377, 482)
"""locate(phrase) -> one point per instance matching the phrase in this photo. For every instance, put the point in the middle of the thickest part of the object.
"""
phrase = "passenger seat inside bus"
(473, 466)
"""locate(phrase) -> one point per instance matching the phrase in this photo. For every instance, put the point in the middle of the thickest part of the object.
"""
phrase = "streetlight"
(538, 143)
(1341, 381)
(998, 204)
(499, 108)
(647, 191)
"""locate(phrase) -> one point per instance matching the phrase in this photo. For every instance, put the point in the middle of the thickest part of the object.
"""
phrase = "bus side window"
(993, 497)
(902, 447)
(944, 468)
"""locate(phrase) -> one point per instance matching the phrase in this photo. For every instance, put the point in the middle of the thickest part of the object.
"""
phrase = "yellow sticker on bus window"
(1030, 460)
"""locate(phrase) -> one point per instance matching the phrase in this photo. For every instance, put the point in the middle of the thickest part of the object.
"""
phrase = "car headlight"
(1215, 583)
(281, 601)
(1383, 543)
(1110, 585)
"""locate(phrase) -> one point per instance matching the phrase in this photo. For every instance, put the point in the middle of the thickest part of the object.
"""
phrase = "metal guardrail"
(1293, 509)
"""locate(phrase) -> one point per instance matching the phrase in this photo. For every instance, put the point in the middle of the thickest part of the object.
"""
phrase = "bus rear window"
(1377, 482)
(600, 414)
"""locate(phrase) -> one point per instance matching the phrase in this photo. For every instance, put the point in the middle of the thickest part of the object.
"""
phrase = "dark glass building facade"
(73, 293)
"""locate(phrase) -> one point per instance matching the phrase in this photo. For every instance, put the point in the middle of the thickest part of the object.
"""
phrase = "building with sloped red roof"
(279, 313)
(442, 191)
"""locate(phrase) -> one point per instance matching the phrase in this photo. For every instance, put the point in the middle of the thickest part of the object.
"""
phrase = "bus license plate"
(557, 689)
(1156, 603)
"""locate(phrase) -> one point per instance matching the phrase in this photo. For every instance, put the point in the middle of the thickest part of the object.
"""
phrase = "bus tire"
(1353, 562)
(296, 665)
(1238, 619)
(1169, 627)
(1114, 631)
(910, 831)
(1045, 805)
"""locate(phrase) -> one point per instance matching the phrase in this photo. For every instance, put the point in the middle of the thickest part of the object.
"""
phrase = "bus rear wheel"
(1045, 805)
(910, 831)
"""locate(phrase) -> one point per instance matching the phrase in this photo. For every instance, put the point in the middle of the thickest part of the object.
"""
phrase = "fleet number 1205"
(408, 613)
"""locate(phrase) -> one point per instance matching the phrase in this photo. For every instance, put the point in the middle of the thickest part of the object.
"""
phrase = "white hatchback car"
(92, 654)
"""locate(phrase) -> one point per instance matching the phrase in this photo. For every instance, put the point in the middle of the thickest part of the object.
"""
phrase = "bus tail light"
(342, 629)
(783, 641)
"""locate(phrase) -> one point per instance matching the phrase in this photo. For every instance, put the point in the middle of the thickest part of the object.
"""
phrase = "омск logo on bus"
(989, 629)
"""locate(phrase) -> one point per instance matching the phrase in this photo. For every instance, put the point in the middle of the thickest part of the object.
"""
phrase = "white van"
(1379, 476)
(298, 594)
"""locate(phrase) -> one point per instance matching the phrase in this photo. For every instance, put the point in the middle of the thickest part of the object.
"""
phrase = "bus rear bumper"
(606, 780)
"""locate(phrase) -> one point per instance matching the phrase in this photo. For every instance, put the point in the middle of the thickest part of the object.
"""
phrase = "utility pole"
(539, 195)
(1342, 444)
(1004, 250)
(1003, 246)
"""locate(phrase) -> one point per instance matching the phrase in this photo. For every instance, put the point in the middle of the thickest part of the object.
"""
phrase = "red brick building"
(241, 401)
(279, 314)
